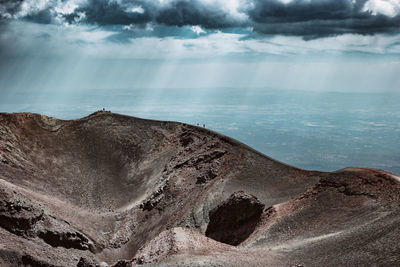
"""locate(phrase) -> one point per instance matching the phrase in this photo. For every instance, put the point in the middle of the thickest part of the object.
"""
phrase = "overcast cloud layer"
(306, 18)
(326, 45)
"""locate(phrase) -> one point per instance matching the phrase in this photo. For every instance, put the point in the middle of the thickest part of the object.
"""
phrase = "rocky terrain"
(113, 190)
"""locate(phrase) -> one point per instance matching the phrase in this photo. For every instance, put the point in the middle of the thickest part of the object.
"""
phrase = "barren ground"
(110, 189)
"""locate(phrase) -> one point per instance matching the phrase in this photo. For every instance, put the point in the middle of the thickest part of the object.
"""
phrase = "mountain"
(115, 190)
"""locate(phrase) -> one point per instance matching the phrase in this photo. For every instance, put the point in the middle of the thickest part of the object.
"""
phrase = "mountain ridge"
(101, 188)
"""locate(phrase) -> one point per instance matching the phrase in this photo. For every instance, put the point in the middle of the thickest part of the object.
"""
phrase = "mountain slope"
(109, 187)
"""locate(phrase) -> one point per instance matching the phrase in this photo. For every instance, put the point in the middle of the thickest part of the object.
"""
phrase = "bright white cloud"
(31, 6)
(234, 8)
(197, 30)
(135, 9)
(390, 8)
(287, 1)
(58, 9)
(67, 7)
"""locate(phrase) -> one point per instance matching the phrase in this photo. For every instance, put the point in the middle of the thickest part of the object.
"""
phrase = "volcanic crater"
(114, 190)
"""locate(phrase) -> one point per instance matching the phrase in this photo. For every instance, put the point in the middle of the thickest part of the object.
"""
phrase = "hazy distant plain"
(311, 130)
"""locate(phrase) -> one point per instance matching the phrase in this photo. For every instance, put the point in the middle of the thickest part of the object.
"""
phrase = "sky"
(316, 45)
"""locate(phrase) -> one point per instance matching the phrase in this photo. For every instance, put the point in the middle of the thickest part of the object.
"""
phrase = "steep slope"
(109, 187)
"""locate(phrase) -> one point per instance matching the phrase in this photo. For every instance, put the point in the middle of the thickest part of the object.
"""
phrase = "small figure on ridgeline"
(204, 126)
(104, 109)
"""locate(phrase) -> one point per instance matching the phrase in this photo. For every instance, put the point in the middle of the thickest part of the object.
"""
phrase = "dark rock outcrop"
(84, 262)
(66, 239)
(123, 263)
(235, 219)
(28, 260)
(19, 217)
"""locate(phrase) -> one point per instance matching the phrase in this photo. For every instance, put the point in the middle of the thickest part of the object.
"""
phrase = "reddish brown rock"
(112, 189)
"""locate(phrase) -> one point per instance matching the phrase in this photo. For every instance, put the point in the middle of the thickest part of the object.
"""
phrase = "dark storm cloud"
(182, 13)
(267, 11)
(320, 28)
(307, 18)
(106, 12)
(315, 18)
(176, 13)
(9, 7)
